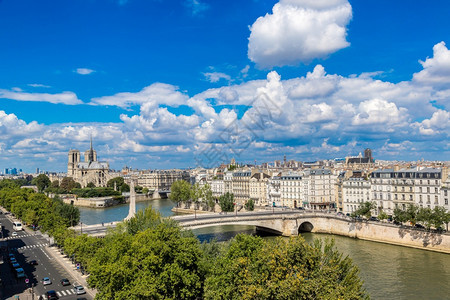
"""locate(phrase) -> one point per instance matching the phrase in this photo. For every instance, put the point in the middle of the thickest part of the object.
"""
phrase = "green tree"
(143, 220)
(90, 185)
(208, 198)
(119, 181)
(138, 189)
(365, 209)
(382, 215)
(180, 191)
(253, 268)
(439, 217)
(226, 202)
(41, 181)
(160, 262)
(400, 215)
(196, 195)
(55, 184)
(145, 191)
(67, 184)
(250, 205)
(124, 188)
(411, 214)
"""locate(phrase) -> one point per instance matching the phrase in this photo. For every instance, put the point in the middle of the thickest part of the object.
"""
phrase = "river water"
(388, 271)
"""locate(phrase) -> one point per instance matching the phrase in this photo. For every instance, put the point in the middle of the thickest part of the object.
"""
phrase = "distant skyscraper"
(6, 171)
(37, 170)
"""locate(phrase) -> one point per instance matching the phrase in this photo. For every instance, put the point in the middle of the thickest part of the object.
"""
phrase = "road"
(27, 247)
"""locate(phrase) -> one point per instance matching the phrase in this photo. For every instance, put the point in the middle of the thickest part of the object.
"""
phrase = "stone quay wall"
(383, 232)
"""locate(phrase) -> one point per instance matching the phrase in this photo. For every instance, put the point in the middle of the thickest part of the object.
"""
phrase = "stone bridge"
(284, 223)
(290, 223)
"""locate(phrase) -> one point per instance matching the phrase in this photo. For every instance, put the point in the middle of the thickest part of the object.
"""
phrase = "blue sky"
(162, 84)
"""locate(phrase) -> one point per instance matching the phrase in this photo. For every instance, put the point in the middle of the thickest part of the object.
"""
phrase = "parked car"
(375, 219)
(33, 263)
(51, 295)
(15, 265)
(79, 290)
(12, 260)
(46, 281)
(20, 273)
(419, 226)
(65, 282)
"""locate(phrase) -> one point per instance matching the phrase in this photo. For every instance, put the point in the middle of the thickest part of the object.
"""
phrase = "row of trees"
(436, 217)
(148, 257)
(182, 192)
(36, 208)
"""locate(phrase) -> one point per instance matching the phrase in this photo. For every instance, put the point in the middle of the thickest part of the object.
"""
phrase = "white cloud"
(11, 126)
(38, 85)
(436, 70)
(68, 98)
(84, 71)
(438, 123)
(317, 115)
(216, 76)
(156, 94)
(244, 71)
(299, 31)
(379, 111)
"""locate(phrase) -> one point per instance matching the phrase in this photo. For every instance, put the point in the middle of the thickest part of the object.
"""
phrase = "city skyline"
(186, 83)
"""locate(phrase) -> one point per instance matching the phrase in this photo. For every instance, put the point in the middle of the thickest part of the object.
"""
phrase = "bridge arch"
(305, 227)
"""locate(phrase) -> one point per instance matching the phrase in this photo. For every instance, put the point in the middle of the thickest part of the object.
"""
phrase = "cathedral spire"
(91, 152)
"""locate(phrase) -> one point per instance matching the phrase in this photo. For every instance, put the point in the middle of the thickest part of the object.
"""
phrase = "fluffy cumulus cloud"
(436, 70)
(314, 116)
(155, 94)
(299, 31)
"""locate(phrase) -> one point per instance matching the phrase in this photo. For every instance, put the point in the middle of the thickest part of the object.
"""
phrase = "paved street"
(27, 247)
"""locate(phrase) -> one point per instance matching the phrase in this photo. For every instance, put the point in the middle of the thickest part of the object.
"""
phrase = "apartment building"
(318, 187)
(241, 186)
(291, 188)
(355, 191)
(258, 188)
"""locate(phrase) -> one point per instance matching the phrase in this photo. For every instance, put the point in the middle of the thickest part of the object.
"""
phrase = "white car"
(14, 233)
(46, 281)
(79, 290)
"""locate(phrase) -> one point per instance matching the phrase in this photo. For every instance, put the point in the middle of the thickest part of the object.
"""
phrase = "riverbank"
(383, 233)
(105, 202)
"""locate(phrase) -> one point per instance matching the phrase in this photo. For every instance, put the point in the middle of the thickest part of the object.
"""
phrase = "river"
(388, 271)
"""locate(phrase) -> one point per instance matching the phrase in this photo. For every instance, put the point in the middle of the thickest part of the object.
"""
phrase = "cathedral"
(88, 171)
